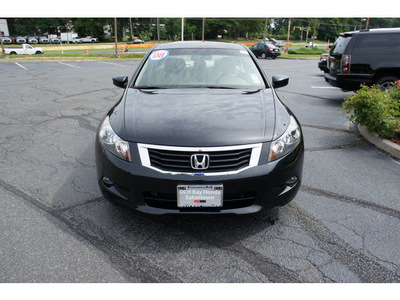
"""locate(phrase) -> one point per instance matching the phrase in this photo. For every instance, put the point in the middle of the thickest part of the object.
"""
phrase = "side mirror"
(120, 81)
(280, 81)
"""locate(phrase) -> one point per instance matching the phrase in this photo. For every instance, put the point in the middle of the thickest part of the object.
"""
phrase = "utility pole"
(288, 37)
(130, 23)
(158, 29)
(301, 37)
(2, 46)
(313, 37)
(265, 29)
(203, 26)
(183, 27)
(116, 40)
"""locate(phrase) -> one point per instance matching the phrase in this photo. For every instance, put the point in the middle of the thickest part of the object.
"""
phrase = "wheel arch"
(391, 72)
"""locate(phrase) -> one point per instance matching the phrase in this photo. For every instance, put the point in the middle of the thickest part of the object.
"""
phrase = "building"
(4, 27)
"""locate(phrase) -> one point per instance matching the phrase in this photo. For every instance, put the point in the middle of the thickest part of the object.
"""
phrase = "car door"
(254, 49)
(264, 49)
(29, 49)
(260, 49)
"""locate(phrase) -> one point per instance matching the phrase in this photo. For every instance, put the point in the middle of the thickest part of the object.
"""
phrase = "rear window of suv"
(377, 44)
(340, 45)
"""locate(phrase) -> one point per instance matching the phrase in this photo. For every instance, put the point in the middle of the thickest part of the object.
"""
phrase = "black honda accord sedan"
(199, 129)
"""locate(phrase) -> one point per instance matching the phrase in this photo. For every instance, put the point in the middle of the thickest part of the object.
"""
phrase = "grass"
(308, 51)
(74, 56)
(302, 56)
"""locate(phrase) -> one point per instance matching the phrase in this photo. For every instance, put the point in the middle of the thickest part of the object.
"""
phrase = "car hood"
(199, 117)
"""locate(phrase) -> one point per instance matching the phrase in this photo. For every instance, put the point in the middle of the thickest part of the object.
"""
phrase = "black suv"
(369, 56)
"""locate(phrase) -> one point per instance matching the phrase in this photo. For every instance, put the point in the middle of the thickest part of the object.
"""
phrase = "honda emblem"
(200, 161)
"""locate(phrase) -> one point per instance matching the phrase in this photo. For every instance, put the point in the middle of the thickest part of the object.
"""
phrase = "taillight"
(346, 64)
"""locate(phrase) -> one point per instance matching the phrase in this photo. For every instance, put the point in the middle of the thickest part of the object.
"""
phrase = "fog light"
(108, 182)
(292, 181)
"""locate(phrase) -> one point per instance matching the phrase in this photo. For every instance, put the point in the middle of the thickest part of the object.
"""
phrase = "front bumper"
(150, 191)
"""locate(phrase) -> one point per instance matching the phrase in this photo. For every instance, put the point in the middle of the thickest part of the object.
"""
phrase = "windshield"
(191, 68)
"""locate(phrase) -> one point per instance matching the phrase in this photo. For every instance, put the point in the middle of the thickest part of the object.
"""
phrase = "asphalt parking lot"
(343, 226)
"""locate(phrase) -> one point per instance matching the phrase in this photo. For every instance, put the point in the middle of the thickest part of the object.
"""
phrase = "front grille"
(220, 161)
(169, 201)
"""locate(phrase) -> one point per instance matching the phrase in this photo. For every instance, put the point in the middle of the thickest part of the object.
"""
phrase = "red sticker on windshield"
(158, 55)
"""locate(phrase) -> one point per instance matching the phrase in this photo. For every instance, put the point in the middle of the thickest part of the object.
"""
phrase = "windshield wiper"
(244, 91)
(149, 87)
(217, 87)
(251, 91)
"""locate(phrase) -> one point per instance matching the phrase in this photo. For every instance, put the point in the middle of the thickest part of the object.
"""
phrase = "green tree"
(94, 27)
(35, 26)
(172, 28)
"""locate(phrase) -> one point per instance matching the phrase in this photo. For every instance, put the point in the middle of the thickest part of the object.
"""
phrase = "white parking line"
(110, 63)
(323, 87)
(21, 66)
(72, 66)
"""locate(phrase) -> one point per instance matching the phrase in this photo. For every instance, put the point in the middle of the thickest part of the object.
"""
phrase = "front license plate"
(200, 195)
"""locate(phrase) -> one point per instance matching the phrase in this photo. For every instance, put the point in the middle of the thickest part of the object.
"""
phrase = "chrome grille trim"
(254, 158)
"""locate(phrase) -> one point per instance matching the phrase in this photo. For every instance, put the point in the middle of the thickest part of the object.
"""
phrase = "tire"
(386, 81)
(273, 57)
(13, 53)
(38, 52)
(263, 55)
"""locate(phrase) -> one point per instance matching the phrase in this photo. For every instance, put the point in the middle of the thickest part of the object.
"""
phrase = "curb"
(383, 144)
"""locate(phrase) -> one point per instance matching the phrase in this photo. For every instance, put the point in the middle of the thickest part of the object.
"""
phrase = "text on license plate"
(200, 195)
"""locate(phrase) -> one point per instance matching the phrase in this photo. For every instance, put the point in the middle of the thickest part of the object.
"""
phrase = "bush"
(379, 111)
(307, 51)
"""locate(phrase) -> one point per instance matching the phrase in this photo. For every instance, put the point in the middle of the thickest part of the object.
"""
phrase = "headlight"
(112, 142)
(286, 142)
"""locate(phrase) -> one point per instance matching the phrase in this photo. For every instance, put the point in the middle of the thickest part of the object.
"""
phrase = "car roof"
(198, 44)
(372, 30)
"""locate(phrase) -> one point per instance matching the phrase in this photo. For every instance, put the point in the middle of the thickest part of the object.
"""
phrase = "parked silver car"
(20, 40)
(32, 40)
(43, 40)
(6, 40)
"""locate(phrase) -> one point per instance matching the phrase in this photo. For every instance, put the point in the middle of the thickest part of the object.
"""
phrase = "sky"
(204, 8)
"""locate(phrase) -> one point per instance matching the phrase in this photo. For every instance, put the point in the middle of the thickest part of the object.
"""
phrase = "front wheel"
(264, 55)
(386, 82)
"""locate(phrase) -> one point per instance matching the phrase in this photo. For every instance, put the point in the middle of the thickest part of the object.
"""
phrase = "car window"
(377, 44)
(340, 45)
(193, 68)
